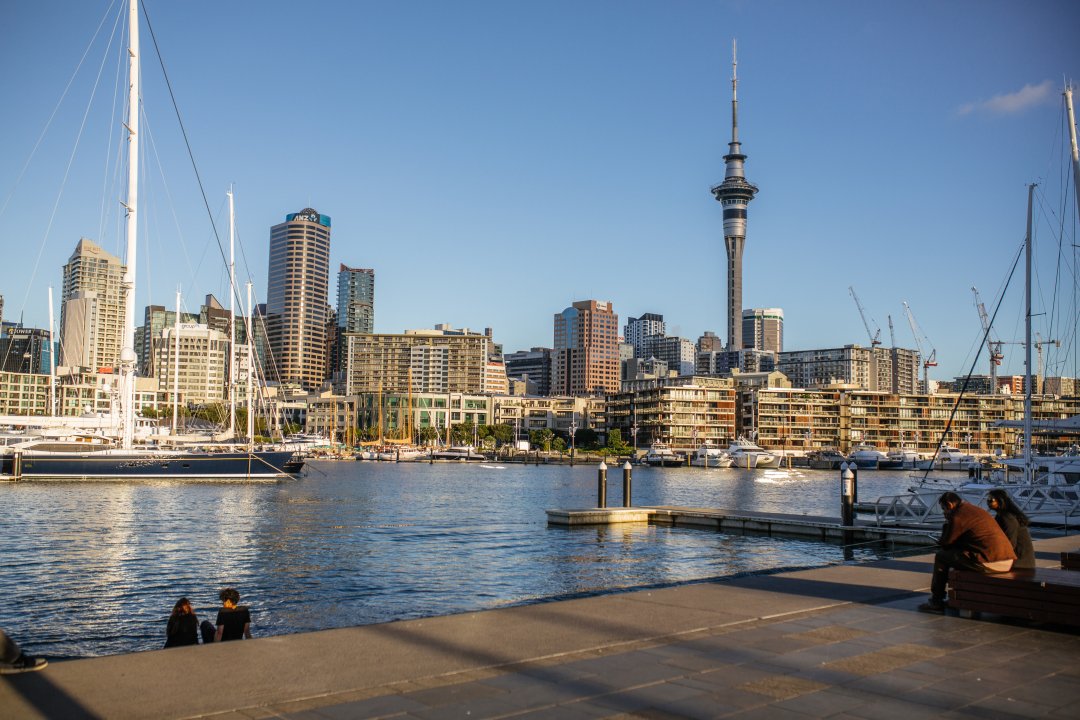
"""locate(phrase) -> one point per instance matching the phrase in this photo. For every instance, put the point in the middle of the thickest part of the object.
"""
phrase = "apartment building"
(684, 412)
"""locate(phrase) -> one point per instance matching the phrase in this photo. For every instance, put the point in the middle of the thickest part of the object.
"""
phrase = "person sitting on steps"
(233, 621)
(970, 540)
(14, 660)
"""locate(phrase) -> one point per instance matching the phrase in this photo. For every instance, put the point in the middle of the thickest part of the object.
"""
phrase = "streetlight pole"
(573, 433)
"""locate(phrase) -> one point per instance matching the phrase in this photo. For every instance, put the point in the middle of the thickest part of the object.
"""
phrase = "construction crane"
(930, 360)
(992, 346)
(892, 335)
(875, 337)
(1039, 343)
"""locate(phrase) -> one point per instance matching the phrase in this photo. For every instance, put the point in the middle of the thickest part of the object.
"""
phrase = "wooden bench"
(1043, 594)
(1070, 560)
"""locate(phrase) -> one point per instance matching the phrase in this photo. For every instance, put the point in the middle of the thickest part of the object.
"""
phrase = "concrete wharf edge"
(327, 673)
(808, 526)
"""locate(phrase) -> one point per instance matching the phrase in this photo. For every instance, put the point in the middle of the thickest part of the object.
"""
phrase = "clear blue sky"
(495, 161)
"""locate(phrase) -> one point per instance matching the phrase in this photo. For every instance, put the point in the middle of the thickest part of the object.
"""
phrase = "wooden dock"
(816, 527)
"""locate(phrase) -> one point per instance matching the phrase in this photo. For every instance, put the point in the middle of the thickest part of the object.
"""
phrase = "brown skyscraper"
(296, 299)
(586, 356)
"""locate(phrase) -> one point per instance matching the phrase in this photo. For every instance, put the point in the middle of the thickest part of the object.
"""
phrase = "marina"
(353, 543)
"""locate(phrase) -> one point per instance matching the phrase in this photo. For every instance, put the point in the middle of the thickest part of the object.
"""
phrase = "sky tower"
(735, 193)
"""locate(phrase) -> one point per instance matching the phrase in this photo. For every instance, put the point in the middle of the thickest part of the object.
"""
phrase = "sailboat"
(80, 456)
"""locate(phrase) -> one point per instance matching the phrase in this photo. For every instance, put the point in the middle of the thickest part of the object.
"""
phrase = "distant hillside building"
(91, 308)
(296, 299)
(586, 357)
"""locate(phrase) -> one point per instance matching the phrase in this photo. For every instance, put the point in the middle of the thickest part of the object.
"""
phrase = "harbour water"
(94, 568)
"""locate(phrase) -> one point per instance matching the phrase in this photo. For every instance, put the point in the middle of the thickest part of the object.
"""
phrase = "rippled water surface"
(94, 568)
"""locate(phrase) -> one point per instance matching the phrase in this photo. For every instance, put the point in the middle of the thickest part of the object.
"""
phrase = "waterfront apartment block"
(886, 369)
(586, 357)
(533, 365)
(78, 392)
(91, 308)
(799, 419)
(395, 415)
(557, 414)
(684, 412)
(296, 299)
(193, 363)
(643, 333)
(425, 361)
(763, 329)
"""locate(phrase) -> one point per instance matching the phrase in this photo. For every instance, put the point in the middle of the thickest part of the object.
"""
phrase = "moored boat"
(747, 454)
(660, 455)
(825, 460)
(709, 456)
(866, 457)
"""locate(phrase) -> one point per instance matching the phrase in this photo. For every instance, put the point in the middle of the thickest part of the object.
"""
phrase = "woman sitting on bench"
(1014, 523)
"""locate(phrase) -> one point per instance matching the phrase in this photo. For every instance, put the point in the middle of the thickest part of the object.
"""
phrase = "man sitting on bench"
(970, 540)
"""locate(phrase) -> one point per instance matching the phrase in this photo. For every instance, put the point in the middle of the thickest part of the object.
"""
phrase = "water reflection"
(94, 568)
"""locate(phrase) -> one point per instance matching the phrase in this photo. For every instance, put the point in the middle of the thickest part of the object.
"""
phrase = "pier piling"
(847, 502)
(626, 484)
(601, 485)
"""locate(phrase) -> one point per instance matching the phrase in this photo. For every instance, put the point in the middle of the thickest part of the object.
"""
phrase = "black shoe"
(934, 607)
(23, 663)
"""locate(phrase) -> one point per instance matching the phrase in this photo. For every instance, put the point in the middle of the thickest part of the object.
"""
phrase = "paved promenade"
(837, 642)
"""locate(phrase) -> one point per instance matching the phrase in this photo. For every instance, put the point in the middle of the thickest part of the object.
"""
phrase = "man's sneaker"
(934, 607)
(23, 663)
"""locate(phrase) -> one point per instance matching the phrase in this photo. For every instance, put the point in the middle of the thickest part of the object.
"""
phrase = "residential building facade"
(91, 308)
(763, 329)
(684, 412)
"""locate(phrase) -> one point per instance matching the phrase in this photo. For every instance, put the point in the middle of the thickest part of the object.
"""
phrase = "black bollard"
(847, 505)
(854, 485)
(626, 484)
(601, 486)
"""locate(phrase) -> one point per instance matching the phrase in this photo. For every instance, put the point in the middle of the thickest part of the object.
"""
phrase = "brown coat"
(974, 530)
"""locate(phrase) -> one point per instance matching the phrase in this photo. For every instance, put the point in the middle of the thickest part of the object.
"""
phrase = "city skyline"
(490, 179)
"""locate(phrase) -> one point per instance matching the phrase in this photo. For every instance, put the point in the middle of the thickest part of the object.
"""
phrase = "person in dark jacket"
(1014, 523)
(970, 540)
(183, 626)
(233, 620)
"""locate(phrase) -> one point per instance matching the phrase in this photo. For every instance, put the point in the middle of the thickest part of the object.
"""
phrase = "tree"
(615, 442)
(541, 438)
(503, 433)
(461, 433)
(558, 444)
(585, 438)
(428, 435)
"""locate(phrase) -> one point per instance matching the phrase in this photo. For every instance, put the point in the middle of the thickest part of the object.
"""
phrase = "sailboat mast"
(232, 316)
(250, 373)
(176, 364)
(52, 361)
(1072, 139)
(127, 352)
(1028, 473)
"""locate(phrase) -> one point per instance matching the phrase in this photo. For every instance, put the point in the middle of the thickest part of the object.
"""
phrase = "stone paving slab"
(842, 641)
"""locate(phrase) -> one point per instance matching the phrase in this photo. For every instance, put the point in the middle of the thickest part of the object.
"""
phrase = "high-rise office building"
(644, 333)
(296, 297)
(91, 308)
(26, 350)
(586, 357)
(763, 329)
(355, 312)
(356, 299)
(735, 193)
